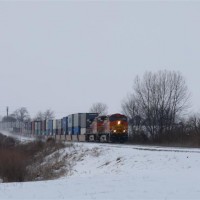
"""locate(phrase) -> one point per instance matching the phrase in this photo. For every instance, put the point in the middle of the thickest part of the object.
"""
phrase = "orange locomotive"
(109, 128)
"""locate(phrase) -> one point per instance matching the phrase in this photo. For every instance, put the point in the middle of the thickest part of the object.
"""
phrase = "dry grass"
(12, 165)
(27, 162)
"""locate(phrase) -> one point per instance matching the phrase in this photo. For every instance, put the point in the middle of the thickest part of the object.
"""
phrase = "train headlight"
(119, 122)
(115, 131)
(124, 131)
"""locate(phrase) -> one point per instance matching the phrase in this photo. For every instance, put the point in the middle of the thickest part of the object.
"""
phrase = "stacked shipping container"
(54, 126)
(58, 127)
(43, 128)
(50, 127)
(71, 124)
(38, 127)
(65, 125)
(82, 122)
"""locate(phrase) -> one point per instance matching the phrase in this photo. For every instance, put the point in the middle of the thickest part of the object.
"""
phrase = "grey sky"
(68, 55)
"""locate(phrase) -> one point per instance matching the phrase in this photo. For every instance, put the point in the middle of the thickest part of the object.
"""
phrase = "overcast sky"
(68, 55)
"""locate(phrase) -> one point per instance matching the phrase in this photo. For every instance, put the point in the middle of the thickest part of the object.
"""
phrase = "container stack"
(38, 127)
(43, 130)
(27, 128)
(46, 131)
(65, 125)
(50, 127)
(33, 127)
(58, 127)
(71, 124)
(77, 121)
(54, 126)
(82, 122)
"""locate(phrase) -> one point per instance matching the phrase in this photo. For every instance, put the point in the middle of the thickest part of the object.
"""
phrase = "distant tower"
(7, 110)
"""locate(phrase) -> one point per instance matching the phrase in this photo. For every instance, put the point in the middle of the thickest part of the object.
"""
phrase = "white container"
(58, 124)
(83, 131)
(70, 120)
(83, 120)
(54, 124)
(77, 119)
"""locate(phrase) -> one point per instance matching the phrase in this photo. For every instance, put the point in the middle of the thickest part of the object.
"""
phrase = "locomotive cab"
(117, 126)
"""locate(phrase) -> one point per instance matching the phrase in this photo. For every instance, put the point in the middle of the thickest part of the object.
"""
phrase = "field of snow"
(105, 171)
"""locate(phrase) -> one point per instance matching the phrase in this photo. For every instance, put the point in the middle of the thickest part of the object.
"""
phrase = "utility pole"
(7, 108)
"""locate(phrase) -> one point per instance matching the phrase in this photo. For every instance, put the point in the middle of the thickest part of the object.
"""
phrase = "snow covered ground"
(105, 171)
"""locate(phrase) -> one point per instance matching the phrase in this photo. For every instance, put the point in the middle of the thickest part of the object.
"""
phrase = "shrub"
(13, 165)
(28, 162)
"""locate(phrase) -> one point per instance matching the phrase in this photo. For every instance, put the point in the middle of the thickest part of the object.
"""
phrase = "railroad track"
(152, 148)
(129, 146)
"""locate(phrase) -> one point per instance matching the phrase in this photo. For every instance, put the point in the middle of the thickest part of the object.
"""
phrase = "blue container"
(65, 125)
(70, 130)
(77, 130)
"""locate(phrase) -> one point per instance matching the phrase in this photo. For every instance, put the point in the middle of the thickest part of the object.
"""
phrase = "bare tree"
(130, 109)
(193, 123)
(21, 114)
(162, 97)
(39, 116)
(47, 115)
(100, 108)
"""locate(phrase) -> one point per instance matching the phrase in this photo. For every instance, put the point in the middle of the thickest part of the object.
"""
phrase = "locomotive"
(109, 128)
(76, 127)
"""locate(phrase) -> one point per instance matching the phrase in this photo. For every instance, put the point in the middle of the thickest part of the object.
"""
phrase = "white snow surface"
(106, 171)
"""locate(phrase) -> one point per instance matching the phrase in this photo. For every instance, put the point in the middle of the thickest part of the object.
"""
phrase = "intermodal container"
(65, 125)
(38, 127)
(50, 127)
(46, 131)
(90, 118)
(43, 130)
(71, 120)
(84, 120)
(58, 124)
(70, 130)
(77, 130)
(32, 127)
(54, 126)
(77, 119)
(83, 131)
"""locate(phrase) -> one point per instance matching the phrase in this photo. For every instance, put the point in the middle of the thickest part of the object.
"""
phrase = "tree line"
(22, 115)
(158, 109)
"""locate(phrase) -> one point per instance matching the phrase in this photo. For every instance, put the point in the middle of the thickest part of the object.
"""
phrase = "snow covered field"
(104, 171)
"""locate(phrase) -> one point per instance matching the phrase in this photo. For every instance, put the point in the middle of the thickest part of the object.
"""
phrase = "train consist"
(76, 127)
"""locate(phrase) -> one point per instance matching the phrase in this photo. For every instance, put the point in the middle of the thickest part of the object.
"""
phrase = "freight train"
(76, 127)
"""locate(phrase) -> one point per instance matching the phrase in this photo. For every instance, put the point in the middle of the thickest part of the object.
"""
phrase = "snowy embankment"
(104, 171)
